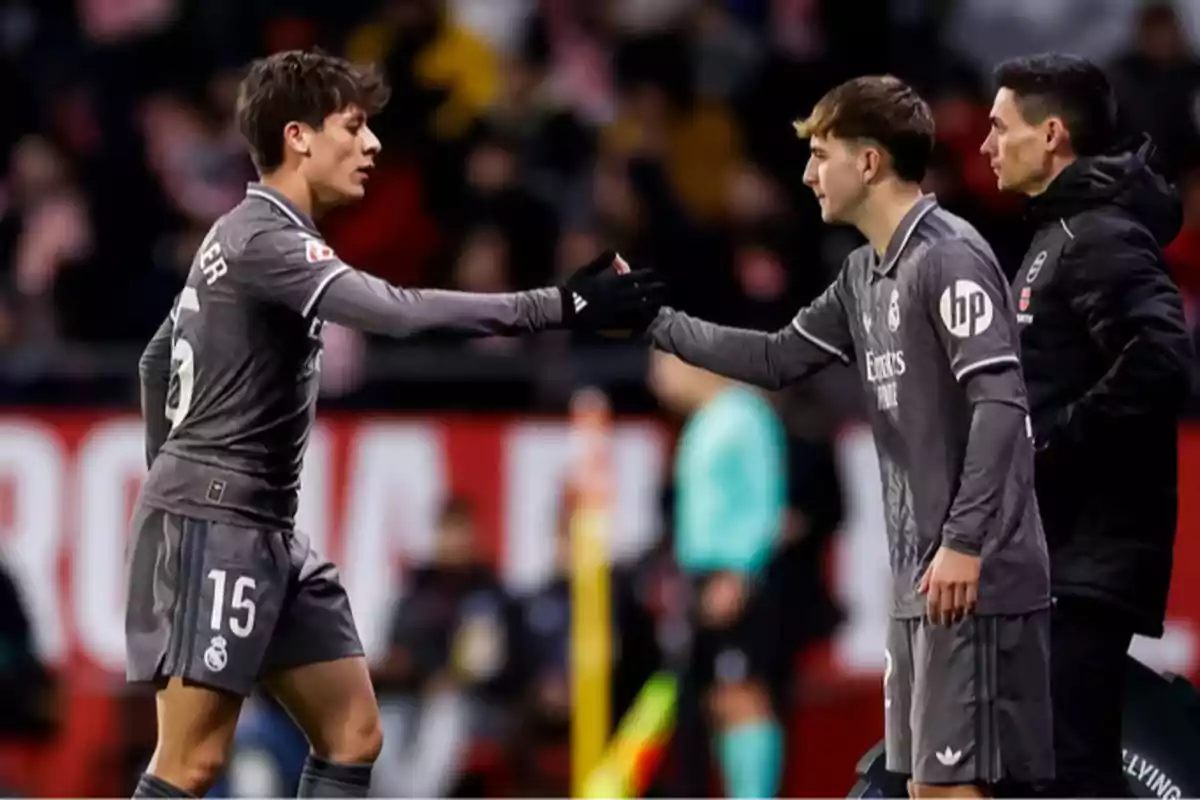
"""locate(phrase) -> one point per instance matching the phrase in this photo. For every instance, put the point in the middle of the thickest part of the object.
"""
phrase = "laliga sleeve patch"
(966, 309)
(315, 252)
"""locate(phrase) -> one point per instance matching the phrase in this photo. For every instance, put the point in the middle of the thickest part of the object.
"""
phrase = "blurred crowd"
(523, 136)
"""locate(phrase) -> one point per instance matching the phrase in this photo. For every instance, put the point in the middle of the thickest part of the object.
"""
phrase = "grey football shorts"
(222, 605)
(969, 703)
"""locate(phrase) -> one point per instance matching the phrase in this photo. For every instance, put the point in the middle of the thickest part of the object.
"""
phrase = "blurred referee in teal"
(730, 496)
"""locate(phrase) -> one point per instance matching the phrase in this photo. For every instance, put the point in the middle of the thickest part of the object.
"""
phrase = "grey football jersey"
(246, 348)
(918, 325)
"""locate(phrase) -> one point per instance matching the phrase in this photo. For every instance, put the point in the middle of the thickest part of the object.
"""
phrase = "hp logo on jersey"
(966, 309)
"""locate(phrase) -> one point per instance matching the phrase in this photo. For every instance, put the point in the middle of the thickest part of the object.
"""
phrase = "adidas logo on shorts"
(948, 757)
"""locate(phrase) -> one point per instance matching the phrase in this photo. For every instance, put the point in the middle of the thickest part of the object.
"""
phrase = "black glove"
(597, 297)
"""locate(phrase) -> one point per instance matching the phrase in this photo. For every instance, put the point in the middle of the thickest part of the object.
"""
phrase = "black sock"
(153, 786)
(322, 778)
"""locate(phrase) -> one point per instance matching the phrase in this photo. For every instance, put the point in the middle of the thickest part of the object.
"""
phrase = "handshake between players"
(225, 594)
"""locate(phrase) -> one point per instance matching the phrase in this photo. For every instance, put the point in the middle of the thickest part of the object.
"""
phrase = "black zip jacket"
(1107, 361)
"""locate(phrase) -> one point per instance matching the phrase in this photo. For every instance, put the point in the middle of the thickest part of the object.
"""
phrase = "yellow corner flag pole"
(591, 609)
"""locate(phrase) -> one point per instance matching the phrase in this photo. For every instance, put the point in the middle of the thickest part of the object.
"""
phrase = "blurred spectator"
(29, 704)
(496, 197)
(106, 22)
(1158, 82)
(725, 53)
(796, 29)
(581, 53)
(554, 146)
(483, 265)
(638, 213)
(545, 715)
(445, 680)
(773, 273)
(428, 52)
(501, 24)
(31, 707)
(391, 232)
(648, 16)
(661, 116)
(203, 172)
(46, 234)
(990, 32)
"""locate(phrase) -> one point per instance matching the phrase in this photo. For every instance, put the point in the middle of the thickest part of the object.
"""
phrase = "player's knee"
(194, 770)
(203, 771)
(357, 742)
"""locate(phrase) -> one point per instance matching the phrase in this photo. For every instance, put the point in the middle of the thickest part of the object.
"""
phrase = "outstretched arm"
(362, 301)
(818, 335)
(298, 270)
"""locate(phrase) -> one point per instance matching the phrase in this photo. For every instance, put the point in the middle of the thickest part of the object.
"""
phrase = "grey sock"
(322, 778)
(153, 786)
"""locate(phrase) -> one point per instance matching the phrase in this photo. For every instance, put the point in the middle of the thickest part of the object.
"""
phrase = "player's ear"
(870, 161)
(297, 137)
(1057, 135)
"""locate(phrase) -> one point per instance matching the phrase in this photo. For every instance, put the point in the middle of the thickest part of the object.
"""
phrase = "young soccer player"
(923, 312)
(223, 592)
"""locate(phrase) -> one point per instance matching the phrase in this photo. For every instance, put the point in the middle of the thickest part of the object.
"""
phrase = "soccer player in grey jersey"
(223, 593)
(923, 312)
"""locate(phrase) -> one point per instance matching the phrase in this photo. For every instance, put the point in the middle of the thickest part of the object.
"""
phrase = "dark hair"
(1064, 86)
(882, 108)
(300, 86)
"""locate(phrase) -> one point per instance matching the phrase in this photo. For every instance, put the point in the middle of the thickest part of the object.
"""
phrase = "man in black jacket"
(1107, 362)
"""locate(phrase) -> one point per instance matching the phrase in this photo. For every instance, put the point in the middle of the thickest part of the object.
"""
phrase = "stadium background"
(523, 136)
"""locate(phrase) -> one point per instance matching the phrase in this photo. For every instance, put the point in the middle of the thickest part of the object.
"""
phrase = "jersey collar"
(904, 232)
(289, 210)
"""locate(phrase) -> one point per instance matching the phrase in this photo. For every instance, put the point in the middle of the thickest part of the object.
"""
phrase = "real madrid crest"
(893, 314)
(216, 656)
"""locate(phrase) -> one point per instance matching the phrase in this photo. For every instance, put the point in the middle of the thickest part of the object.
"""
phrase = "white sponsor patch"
(966, 309)
(316, 252)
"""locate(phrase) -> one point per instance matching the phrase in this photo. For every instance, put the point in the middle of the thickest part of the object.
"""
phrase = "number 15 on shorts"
(241, 606)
